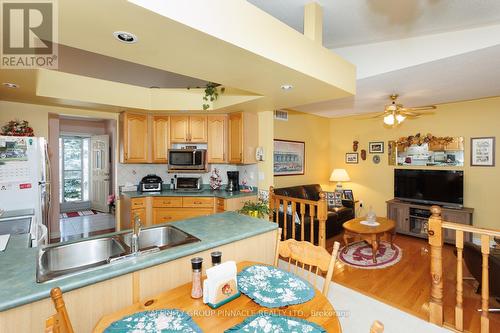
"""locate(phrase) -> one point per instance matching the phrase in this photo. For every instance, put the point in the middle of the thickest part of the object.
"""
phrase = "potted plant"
(211, 94)
(258, 209)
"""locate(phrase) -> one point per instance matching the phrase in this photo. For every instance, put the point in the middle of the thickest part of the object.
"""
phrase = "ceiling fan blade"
(379, 115)
(422, 108)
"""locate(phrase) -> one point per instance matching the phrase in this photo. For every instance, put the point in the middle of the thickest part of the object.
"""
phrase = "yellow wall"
(266, 135)
(374, 183)
(314, 131)
(37, 115)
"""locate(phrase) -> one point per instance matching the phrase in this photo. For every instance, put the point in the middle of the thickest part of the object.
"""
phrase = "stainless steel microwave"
(187, 159)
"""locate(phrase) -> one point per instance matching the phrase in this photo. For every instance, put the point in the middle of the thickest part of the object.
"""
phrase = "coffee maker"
(233, 181)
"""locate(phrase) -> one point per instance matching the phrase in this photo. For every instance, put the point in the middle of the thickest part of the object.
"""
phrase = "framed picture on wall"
(482, 151)
(348, 195)
(376, 147)
(351, 158)
(289, 157)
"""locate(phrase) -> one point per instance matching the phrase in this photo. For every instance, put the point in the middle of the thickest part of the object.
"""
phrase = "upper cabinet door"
(160, 139)
(197, 129)
(217, 139)
(235, 138)
(179, 129)
(135, 138)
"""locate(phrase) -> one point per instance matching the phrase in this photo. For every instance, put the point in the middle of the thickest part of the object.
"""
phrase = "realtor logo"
(29, 34)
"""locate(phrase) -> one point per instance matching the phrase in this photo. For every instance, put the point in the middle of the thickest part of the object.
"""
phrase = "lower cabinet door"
(165, 215)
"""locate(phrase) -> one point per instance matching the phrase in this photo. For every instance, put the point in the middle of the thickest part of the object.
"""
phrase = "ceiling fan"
(394, 113)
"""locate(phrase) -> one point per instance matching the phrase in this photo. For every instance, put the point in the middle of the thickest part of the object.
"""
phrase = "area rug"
(359, 255)
(76, 214)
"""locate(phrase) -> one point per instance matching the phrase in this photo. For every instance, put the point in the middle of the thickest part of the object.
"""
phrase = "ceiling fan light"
(389, 120)
(400, 118)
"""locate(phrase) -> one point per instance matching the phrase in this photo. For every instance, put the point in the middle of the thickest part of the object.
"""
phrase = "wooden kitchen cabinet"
(160, 139)
(144, 138)
(243, 137)
(188, 129)
(217, 139)
(134, 138)
(198, 129)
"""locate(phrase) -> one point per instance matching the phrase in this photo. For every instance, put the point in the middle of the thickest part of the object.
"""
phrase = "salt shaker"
(196, 290)
(216, 258)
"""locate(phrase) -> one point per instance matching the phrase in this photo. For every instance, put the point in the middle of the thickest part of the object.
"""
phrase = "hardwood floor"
(407, 284)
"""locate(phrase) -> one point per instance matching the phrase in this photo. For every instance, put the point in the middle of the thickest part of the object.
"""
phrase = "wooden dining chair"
(305, 254)
(377, 327)
(59, 322)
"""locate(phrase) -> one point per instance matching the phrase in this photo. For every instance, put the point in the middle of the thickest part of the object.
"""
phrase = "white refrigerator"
(25, 181)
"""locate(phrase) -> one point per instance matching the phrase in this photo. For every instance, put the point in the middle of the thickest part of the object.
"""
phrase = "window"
(74, 168)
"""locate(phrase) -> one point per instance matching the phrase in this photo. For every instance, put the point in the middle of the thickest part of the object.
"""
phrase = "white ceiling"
(468, 76)
(428, 51)
(353, 22)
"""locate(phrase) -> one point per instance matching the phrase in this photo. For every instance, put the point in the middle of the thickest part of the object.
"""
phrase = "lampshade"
(339, 175)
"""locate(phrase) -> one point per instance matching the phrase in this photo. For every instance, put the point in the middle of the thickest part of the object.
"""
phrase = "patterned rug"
(359, 255)
(76, 214)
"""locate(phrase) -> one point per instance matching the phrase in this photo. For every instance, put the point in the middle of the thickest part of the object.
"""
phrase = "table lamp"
(339, 176)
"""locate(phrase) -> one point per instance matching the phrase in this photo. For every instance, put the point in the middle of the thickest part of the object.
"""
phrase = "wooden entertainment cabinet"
(411, 218)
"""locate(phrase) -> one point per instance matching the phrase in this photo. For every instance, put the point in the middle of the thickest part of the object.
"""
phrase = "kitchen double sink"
(64, 259)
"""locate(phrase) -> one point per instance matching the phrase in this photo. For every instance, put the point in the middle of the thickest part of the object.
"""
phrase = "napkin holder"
(220, 286)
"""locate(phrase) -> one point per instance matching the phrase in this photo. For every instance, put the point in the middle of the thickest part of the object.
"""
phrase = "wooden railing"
(317, 210)
(435, 231)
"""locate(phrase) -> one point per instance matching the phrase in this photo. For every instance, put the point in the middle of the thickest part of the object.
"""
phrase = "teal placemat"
(265, 323)
(154, 321)
(273, 287)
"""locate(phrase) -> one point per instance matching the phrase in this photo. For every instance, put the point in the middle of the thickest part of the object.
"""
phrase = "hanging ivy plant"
(211, 94)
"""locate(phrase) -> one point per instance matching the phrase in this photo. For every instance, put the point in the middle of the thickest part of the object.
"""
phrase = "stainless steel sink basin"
(64, 259)
(161, 237)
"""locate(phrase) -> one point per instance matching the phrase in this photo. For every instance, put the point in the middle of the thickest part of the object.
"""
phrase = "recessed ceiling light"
(10, 85)
(287, 87)
(125, 37)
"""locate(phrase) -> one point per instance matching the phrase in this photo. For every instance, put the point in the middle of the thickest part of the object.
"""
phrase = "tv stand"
(412, 218)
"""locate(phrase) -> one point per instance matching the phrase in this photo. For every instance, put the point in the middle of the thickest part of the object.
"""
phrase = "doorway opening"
(86, 195)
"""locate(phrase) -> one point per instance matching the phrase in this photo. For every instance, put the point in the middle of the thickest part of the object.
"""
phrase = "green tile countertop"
(18, 264)
(203, 193)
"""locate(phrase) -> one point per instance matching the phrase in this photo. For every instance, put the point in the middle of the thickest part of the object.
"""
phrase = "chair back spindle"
(59, 322)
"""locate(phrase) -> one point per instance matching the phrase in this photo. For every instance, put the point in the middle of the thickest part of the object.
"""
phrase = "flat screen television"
(440, 187)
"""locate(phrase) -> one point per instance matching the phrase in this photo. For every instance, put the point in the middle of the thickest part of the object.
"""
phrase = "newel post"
(271, 203)
(436, 244)
(322, 216)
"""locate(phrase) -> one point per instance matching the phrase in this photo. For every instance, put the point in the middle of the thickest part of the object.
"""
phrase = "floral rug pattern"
(360, 255)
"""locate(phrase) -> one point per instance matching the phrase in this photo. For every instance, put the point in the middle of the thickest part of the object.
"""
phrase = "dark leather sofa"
(473, 260)
(336, 216)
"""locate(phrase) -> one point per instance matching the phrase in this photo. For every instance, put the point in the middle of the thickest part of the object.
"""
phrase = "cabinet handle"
(197, 202)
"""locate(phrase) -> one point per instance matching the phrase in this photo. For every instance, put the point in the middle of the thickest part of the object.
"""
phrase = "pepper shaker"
(216, 258)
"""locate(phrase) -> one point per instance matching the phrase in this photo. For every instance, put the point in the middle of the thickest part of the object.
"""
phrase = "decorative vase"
(215, 180)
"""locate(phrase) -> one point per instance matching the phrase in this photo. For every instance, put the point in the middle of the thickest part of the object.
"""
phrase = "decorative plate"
(264, 323)
(168, 320)
(272, 287)
(376, 159)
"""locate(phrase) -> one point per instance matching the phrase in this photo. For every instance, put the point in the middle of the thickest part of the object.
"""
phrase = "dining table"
(317, 310)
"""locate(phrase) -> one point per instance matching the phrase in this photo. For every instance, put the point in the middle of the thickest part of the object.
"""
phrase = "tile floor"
(85, 226)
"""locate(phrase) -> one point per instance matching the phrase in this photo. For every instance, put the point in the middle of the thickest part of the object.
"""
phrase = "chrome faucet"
(135, 234)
